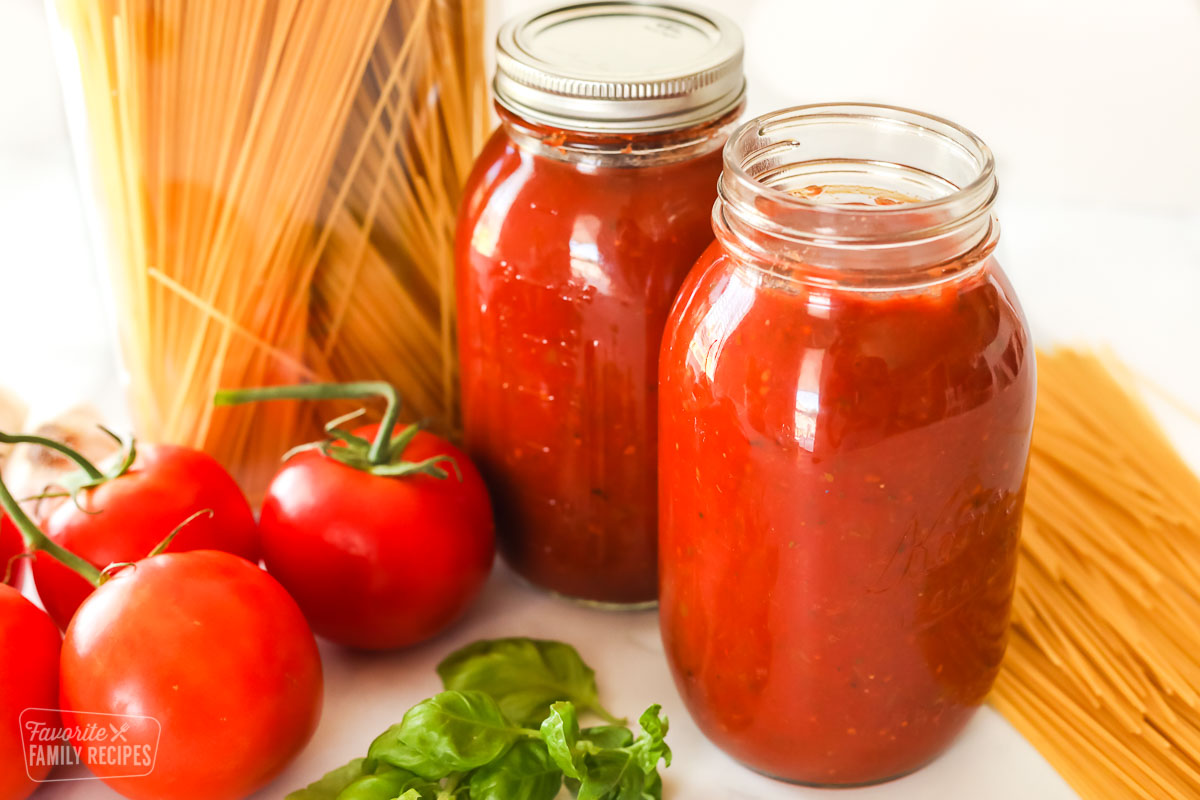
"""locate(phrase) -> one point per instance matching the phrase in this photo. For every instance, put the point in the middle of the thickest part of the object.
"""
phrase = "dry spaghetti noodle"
(279, 181)
(1103, 667)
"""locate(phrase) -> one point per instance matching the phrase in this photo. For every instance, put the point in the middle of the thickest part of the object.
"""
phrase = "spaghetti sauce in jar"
(847, 391)
(582, 217)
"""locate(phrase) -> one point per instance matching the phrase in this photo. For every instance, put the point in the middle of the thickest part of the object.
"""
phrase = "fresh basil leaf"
(387, 784)
(450, 732)
(390, 749)
(605, 737)
(560, 732)
(653, 789)
(654, 723)
(612, 775)
(525, 772)
(650, 748)
(525, 676)
(616, 768)
(331, 785)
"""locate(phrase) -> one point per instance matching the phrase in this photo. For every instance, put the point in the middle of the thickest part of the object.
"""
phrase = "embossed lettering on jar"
(846, 406)
(582, 217)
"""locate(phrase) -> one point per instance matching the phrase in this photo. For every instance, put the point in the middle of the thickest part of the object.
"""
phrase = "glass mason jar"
(581, 219)
(846, 400)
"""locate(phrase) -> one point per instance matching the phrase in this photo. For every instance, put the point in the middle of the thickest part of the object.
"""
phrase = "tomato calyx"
(115, 567)
(383, 455)
(33, 537)
(89, 475)
(354, 451)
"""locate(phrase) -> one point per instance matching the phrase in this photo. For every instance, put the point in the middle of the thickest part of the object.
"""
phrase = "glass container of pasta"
(273, 191)
(584, 212)
(846, 406)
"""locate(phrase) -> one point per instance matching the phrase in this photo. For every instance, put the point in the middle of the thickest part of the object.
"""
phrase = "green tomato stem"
(170, 537)
(380, 452)
(8, 568)
(36, 540)
(88, 467)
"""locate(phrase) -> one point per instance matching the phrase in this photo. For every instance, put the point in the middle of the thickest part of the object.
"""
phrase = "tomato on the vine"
(206, 661)
(383, 538)
(216, 652)
(29, 651)
(120, 514)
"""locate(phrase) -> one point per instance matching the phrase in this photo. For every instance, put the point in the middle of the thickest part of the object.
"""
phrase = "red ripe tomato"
(10, 547)
(379, 562)
(127, 516)
(29, 645)
(214, 650)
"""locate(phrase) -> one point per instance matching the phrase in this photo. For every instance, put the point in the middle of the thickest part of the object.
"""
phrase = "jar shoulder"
(723, 298)
(513, 181)
(622, 232)
(866, 365)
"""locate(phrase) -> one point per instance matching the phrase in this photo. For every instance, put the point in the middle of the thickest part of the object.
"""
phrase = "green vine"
(383, 456)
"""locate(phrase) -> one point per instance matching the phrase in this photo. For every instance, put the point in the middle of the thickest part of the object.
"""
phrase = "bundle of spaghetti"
(278, 182)
(1102, 673)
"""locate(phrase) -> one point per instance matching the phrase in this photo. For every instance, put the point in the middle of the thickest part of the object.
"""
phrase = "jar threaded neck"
(858, 193)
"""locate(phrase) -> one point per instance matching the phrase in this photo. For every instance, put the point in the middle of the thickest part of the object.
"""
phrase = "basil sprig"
(525, 676)
(506, 728)
(449, 732)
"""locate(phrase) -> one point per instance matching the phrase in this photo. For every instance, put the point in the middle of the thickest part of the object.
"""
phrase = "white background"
(1093, 110)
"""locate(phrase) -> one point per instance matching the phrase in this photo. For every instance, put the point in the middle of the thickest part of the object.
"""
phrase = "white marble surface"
(367, 693)
(1093, 109)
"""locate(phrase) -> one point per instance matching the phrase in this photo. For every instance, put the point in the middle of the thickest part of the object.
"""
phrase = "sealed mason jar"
(583, 215)
(847, 390)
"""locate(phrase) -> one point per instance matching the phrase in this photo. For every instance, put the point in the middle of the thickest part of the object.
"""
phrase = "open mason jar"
(846, 404)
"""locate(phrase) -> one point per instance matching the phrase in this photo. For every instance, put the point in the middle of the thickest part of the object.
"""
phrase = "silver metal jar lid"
(621, 67)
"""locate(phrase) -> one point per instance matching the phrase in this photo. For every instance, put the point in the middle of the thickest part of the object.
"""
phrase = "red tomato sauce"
(566, 273)
(842, 481)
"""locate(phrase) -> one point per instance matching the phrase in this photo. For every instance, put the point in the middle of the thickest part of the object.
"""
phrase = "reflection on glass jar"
(846, 404)
(584, 213)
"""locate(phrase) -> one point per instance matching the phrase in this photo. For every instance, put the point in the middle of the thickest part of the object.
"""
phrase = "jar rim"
(857, 192)
(983, 183)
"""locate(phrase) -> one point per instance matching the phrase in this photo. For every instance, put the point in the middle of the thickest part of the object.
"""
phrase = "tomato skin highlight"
(375, 562)
(166, 485)
(29, 650)
(10, 545)
(214, 649)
